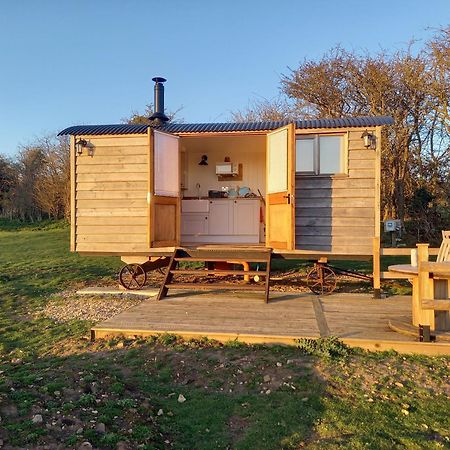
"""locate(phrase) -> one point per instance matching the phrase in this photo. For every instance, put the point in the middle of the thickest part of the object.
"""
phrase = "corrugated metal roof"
(179, 128)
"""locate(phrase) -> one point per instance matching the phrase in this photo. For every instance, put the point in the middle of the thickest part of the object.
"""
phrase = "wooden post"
(376, 268)
(422, 288)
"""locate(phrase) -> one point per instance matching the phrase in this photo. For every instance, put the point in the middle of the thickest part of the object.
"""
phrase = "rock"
(398, 384)
(181, 398)
(279, 364)
(120, 345)
(86, 445)
(268, 392)
(289, 361)
(100, 428)
(160, 412)
(9, 410)
(37, 418)
(266, 378)
(67, 421)
(122, 445)
(305, 399)
(405, 412)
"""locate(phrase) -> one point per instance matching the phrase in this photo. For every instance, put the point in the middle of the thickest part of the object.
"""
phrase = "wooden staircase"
(217, 255)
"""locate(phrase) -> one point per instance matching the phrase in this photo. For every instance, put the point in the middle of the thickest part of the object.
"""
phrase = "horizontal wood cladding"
(112, 212)
(111, 196)
(345, 250)
(112, 168)
(112, 177)
(89, 230)
(116, 248)
(336, 240)
(117, 141)
(320, 202)
(121, 186)
(103, 158)
(334, 183)
(118, 221)
(363, 231)
(337, 213)
(112, 238)
(348, 222)
(334, 193)
(113, 203)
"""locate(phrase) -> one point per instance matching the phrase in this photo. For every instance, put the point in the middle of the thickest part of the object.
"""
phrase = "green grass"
(319, 395)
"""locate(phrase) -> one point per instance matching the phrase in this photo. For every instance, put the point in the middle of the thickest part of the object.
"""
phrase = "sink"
(195, 206)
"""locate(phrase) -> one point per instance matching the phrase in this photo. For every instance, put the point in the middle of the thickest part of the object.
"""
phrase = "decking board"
(357, 319)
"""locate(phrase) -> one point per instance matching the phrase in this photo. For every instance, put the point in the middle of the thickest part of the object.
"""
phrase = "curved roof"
(180, 128)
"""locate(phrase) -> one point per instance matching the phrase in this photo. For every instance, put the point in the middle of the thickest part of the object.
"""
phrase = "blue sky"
(91, 61)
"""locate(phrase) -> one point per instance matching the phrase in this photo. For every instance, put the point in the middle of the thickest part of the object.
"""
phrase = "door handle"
(288, 196)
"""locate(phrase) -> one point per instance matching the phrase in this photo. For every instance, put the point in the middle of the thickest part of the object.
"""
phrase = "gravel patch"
(94, 308)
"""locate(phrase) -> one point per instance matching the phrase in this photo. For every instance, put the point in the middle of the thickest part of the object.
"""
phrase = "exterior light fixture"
(369, 139)
(79, 145)
(203, 161)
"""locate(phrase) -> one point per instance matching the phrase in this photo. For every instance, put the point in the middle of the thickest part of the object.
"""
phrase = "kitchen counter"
(221, 198)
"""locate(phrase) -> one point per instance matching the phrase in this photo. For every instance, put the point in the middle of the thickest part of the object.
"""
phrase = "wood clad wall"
(337, 214)
(111, 212)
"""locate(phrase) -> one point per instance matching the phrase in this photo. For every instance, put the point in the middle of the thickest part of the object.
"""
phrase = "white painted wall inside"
(250, 151)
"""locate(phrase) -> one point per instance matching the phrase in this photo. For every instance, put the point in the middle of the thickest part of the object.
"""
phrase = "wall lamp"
(369, 139)
(81, 144)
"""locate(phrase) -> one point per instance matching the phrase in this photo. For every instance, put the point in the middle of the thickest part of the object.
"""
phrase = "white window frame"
(316, 157)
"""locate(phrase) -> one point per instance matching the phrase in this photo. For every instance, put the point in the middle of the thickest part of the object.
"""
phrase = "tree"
(143, 118)
(411, 86)
(8, 178)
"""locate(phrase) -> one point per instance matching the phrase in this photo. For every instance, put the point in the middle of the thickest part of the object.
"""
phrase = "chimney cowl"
(158, 117)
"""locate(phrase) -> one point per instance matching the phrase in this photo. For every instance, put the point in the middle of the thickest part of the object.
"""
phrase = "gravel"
(94, 308)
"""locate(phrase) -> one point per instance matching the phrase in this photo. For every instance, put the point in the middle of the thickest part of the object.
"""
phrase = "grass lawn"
(60, 390)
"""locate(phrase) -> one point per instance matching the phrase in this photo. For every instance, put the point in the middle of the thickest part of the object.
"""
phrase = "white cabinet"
(194, 224)
(220, 217)
(246, 217)
(223, 221)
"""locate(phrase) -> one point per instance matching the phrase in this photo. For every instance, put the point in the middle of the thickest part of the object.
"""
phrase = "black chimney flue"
(158, 117)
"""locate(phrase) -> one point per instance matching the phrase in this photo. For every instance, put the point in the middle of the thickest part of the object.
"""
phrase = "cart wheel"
(132, 276)
(321, 280)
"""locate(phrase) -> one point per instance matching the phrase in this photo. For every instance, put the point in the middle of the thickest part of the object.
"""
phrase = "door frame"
(154, 200)
(285, 197)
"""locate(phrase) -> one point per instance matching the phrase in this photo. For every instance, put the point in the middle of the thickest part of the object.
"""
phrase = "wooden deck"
(357, 319)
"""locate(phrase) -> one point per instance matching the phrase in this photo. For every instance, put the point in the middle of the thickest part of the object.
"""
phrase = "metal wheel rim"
(132, 277)
(321, 280)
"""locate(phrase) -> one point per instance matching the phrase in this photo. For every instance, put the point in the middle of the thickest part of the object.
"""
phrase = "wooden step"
(217, 272)
(217, 286)
(436, 304)
(220, 259)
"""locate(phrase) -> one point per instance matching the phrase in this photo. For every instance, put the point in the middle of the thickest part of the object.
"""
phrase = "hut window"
(320, 154)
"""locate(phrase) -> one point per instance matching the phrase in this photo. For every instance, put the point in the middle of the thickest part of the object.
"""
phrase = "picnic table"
(430, 288)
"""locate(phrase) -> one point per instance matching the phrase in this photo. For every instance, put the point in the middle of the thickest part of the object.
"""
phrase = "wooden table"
(419, 316)
(425, 286)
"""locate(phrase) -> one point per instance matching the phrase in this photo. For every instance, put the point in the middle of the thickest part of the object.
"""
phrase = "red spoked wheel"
(321, 280)
(132, 276)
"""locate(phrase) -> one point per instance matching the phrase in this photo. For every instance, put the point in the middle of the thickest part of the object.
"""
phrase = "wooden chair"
(444, 250)
(434, 292)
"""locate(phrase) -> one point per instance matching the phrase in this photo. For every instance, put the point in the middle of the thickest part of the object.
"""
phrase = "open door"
(164, 190)
(280, 202)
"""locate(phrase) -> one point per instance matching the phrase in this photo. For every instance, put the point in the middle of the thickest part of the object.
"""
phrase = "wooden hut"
(306, 189)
